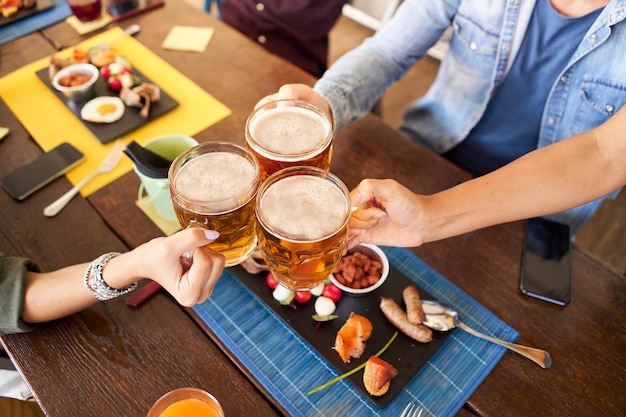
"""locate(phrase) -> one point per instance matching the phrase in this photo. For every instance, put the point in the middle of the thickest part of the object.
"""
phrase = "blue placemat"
(35, 22)
(288, 367)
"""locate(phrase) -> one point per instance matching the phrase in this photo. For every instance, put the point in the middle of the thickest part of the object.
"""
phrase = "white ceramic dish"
(80, 92)
(374, 252)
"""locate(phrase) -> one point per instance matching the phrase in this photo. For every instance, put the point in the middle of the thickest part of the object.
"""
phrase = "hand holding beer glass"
(302, 225)
(213, 186)
(286, 133)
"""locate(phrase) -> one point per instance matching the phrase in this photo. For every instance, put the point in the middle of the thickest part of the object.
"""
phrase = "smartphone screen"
(120, 9)
(26, 180)
(546, 271)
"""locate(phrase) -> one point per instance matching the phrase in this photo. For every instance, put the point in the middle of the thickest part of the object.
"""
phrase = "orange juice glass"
(186, 402)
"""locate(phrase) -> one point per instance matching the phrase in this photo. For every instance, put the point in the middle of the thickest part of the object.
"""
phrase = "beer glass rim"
(213, 147)
(183, 393)
(301, 171)
(293, 156)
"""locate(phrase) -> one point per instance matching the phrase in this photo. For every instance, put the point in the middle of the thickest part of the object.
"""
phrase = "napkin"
(188, 38)
(147, 162)
(86, 27)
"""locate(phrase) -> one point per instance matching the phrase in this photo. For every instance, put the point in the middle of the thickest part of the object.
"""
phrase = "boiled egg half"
(104, 109)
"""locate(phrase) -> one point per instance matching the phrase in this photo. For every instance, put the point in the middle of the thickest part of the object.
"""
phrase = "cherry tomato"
(115, 83)
(303, 296)
(126, 70)
(105, 72)
(271, 281)
(332, 291)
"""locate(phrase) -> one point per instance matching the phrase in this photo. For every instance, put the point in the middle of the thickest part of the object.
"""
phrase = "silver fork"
(107, 165)
(411, 410)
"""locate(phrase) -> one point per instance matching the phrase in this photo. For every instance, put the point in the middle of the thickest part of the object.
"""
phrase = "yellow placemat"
(50, 122)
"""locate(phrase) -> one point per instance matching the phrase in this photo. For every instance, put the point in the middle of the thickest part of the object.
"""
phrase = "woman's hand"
(163, 260)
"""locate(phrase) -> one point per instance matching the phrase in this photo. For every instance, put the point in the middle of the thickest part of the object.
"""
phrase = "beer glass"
(214, 185)
(302, 225)
(286, 133)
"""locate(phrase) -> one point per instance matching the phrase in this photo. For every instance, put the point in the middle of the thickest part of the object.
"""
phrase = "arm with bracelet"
(29, 296)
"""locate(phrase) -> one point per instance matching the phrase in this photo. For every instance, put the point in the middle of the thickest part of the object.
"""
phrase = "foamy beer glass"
(214, 185)
(286, 133)
(302, 225)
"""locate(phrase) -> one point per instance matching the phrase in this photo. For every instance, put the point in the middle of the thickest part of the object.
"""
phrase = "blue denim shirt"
(486, 37)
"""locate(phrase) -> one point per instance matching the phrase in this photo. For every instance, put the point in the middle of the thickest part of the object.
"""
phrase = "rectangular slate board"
(25, 12)
(405, 354)
(106, 132)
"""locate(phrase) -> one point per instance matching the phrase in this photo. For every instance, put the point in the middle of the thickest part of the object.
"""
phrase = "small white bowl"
(374, 252)
(80, 92)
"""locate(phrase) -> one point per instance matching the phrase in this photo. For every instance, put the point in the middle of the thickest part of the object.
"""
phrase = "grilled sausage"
(413, 302)
(398, 318)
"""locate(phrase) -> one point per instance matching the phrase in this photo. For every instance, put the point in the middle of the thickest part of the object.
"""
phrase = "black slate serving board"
(106, 132)
(25, 12)
(405, 354)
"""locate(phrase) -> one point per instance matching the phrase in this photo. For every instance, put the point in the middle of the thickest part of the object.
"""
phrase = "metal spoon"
(443, 318)
(129, 31)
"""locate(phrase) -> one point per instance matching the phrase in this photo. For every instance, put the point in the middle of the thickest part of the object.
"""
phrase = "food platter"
(405, 354)
(106, 132)
(25, 12)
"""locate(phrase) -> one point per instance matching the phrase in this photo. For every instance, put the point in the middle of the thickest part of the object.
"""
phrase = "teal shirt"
(12, 273)
(510, 126)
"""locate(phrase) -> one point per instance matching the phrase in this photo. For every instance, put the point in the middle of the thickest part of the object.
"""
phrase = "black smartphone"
(546, 270)
(29, 178)
(121, 9)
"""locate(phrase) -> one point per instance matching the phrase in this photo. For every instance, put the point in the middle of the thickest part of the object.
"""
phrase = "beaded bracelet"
(94, 282)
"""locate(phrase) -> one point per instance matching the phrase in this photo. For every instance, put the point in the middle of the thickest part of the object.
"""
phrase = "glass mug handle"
(147, 199)
(187, 257)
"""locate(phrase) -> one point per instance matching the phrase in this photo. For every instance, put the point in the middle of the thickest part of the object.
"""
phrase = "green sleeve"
(12, 272)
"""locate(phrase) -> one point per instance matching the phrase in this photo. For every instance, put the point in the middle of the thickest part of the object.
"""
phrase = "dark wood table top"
(113, 360)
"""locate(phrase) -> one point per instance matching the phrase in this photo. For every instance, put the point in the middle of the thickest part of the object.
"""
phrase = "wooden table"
(112, 360)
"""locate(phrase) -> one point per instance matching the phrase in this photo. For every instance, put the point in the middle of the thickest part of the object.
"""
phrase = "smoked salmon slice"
(351, 338)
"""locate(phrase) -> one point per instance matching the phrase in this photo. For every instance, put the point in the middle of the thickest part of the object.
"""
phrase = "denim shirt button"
(564, 79)
(261, 39)
(609, 108)
(593, 38)
(550, 120)
(473, 46)
(514, 1)
(506, 47)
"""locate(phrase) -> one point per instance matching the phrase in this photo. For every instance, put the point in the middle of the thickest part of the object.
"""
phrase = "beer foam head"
(219, 181)
(287, 131)
(304, 208)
